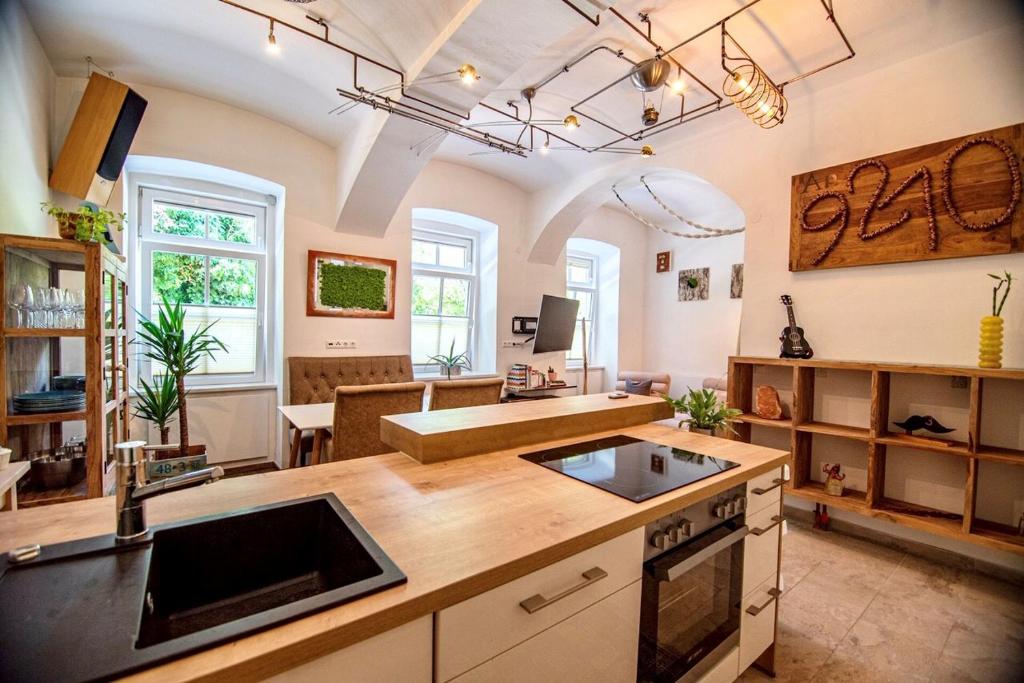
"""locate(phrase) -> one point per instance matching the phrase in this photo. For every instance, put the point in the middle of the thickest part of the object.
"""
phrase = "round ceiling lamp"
(571, 122)
(647, 151)
(650, 74)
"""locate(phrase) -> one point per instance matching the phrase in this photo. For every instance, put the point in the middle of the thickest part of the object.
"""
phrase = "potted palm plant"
(705, 414)
(178, 352)
(158, 404)
(452, 364)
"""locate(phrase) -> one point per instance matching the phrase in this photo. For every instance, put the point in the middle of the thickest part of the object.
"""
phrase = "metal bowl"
(50, 473)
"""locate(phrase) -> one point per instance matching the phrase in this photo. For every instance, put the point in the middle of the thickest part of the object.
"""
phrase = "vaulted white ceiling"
(210, 49)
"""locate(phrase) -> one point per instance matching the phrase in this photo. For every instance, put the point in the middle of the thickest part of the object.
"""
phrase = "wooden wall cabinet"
(874, 434)
(31, 356)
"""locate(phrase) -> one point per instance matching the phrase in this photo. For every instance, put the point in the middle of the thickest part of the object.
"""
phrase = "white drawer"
(761, 547)
(757, 622)
(726, 671)
(483, 627)
(764, 490)
(597, 645)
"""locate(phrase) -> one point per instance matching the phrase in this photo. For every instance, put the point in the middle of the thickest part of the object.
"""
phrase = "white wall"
(26, 81)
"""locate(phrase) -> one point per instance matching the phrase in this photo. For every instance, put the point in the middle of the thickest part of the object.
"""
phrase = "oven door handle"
(675, 571)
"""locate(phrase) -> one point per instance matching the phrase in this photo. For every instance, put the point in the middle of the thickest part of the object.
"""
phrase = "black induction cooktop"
(629, 467)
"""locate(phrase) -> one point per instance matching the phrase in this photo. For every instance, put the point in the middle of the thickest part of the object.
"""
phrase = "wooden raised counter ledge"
(446, 434)
(456, 528)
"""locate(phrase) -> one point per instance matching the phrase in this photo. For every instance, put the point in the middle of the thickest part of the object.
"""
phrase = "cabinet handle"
(776, 520)
(538, 602)
(776, 483)
(754, 610)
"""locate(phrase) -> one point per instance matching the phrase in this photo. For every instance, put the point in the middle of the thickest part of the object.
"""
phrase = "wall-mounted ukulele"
(794, 345)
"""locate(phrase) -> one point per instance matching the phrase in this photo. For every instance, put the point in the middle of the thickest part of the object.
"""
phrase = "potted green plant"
(177, 352)
(705, 414)
(451, 363)
(990, 345)
(158, 404)
(89, 223)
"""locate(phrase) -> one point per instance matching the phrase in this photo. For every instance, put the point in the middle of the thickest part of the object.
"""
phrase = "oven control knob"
(675, 533)
(658, 539)
(741, 503)
(685, 528)
(720, 510)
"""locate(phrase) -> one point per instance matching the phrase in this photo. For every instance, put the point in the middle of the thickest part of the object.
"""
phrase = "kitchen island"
(457, 529)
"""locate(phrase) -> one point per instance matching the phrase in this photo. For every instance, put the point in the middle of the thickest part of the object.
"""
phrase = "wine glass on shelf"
(79, 306)
(54, 302)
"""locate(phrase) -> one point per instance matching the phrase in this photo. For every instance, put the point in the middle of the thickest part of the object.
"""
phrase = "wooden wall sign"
(959, 197)
(346, 286)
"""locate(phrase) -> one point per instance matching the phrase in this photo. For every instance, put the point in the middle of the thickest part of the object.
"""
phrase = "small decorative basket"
(833, 479)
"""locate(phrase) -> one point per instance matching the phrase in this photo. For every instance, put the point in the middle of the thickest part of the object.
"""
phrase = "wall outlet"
(341, 344)
(508, 344)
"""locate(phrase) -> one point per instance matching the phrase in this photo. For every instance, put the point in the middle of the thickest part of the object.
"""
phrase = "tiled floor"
(855, 611)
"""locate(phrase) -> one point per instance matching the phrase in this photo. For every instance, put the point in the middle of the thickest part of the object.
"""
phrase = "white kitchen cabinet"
(483, 627)
(764, 490)
(597, 645)
(761, 547)
(757, 622)
(401, 655)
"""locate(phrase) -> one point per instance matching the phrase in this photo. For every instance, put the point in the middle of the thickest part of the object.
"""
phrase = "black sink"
(88, 610)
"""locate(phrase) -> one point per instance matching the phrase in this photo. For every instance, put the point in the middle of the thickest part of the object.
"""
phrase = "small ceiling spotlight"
(467, 74)
(546, 147)
(272, 46)
(650, 115)
(647, 151)
(571, 122)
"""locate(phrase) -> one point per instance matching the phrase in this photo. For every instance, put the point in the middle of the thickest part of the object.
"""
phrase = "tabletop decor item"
(167, 344)
(89, 223)
(990, 345)
(346, 286)
(452, 363)
(552, 375)
(833, 479)
(915, 422)
(705, 414)
(693, 284)
(767, 403)
(794, 344)
(956, 198)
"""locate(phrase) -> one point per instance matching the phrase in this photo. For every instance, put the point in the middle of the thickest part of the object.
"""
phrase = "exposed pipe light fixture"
(546, 147)
(750, 88)
(272, 46)
(647, 151)
(571, 122)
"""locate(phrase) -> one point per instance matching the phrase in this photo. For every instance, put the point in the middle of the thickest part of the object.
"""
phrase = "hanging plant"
(88, 224)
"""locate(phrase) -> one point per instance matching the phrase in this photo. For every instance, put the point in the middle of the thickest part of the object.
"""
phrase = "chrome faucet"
(132, 493)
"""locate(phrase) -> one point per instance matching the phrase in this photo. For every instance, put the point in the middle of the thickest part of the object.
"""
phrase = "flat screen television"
(556, 324)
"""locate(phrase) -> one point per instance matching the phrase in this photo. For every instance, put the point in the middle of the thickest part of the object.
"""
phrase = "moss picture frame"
(348, 286)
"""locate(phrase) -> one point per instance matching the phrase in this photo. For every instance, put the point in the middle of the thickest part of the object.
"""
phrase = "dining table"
(315, 417)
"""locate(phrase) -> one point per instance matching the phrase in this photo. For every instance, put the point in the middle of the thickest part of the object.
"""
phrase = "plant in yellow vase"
(990, 346)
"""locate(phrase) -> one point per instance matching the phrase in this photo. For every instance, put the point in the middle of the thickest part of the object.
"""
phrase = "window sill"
(221, 388)
(579, 368)
(431, 377)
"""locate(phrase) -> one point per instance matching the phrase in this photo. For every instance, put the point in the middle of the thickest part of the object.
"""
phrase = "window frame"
(467, 274)
(193, 196)
(589, 287)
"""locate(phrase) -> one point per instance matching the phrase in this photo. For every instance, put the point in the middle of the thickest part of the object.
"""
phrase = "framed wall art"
(663, 262)
(693, 284)
(736, 282)
(347, 286)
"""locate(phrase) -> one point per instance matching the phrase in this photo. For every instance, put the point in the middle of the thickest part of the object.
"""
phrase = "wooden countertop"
(456, 528)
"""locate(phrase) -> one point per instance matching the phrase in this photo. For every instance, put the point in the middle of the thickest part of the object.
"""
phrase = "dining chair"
(357, 414)
(461, 393)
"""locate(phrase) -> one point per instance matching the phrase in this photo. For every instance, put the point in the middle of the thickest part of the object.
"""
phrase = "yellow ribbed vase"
(990, 345)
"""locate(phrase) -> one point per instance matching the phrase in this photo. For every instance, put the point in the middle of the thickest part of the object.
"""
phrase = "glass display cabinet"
(63, 365)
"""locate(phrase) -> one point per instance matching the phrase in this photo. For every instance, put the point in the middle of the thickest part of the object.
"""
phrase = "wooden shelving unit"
(877, 438)
(31, 356)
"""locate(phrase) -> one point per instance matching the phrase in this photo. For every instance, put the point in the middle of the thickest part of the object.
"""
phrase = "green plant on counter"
(704, 410)
(451, 360)
(158, 403)
(350, 286)
(1005, 279)
(89, 222)
(176, 352)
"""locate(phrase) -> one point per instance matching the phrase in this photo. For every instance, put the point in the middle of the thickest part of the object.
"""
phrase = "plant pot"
(990, 344)
(552, 376)
(165, 461)
(699, 430)
(66, 225)
(453, 372)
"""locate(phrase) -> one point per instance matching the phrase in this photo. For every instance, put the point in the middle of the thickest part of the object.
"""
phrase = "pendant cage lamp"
(753, 93)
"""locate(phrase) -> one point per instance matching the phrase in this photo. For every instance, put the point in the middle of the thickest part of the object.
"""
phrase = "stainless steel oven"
(692, 589)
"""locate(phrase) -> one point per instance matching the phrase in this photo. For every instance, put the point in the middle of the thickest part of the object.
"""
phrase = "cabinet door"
(761, 547)
(596, 645)
(402, 654)
(757, 622)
